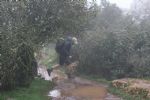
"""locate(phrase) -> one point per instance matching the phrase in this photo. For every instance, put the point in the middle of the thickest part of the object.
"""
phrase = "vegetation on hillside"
(112, 43)
(118, 45)
(34, 23)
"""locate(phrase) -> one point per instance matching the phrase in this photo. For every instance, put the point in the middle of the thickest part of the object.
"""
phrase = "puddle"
(55, 94)
(76, 88)
(89, 92)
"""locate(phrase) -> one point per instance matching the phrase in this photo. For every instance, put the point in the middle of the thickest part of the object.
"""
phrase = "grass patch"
(37, 91)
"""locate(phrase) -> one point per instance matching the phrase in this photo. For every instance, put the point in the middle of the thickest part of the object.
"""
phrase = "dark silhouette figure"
(63, 48)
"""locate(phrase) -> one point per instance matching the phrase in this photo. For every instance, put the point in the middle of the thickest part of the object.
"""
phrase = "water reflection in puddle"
(91, 92)
(55, 94)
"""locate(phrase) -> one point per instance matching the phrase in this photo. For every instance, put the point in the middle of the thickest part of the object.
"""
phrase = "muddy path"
(83, 89)
(77, 88)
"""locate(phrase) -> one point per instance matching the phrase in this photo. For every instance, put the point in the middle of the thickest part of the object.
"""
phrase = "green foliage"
(26, 67)
(7, 68)
(37, 91)
(115, 56)
(50, 56)
(33, 22)
(20, 69)
(116, 47)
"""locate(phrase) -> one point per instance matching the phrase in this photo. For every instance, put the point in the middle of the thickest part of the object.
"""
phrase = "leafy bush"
(20, 70)
(26, 67)
(35, 23)
(117, 46)
(115, 56)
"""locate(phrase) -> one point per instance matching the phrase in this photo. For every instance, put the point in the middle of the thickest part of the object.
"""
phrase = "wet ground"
(83, 89)
(77, 88)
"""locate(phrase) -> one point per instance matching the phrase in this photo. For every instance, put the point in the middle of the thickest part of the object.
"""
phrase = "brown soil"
(83, 89)
(89, 92)
(78, 88)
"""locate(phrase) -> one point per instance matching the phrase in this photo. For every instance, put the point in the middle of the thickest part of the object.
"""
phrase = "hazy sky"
(124, 4)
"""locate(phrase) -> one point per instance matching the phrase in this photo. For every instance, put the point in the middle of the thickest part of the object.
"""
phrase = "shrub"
(26, 67)
(115, 56)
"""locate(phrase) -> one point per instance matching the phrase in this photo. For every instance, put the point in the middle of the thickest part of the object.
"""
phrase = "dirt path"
(83, 89)
(79, 88)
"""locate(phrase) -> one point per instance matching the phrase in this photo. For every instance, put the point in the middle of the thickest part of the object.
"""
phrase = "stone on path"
(133, 86)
